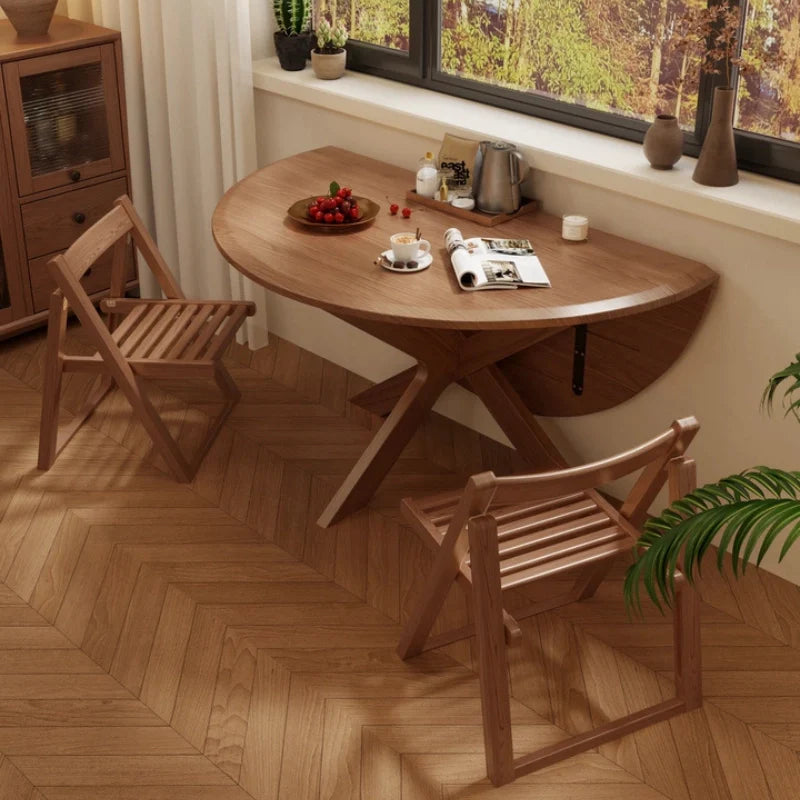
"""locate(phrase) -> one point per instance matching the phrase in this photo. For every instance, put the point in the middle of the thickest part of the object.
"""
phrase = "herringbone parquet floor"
(209, 641)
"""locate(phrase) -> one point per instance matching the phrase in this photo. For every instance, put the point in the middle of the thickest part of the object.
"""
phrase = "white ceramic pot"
(329, 66)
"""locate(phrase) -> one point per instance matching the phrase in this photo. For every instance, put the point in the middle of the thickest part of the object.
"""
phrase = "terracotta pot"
(329, 66)
(30, 17)
(717, 163)
(663, 142)
(293, 49)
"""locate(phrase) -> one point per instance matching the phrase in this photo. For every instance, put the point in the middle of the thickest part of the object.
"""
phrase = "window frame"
(420, 67)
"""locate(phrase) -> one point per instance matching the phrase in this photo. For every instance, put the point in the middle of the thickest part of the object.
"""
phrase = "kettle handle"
(519, 167)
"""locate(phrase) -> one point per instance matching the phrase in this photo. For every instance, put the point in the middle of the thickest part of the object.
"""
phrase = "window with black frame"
(605, 65)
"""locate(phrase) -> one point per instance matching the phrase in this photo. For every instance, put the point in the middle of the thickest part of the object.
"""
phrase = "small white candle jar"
(575, 228)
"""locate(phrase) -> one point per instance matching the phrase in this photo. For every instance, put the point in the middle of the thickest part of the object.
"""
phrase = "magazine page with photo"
(485, 263)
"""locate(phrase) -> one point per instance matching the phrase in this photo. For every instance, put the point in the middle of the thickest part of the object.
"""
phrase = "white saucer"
(422, 263)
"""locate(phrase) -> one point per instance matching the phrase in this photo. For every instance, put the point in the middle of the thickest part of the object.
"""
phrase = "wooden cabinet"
(63, 157)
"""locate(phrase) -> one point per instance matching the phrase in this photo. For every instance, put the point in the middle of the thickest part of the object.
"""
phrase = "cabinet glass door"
(65, 118)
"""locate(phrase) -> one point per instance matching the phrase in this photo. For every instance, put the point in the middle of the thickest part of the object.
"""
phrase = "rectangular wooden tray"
(528, 206)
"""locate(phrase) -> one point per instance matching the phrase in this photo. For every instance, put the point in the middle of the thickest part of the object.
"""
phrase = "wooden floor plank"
(209, 641)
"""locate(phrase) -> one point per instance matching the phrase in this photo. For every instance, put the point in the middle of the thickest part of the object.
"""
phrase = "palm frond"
(750, 510)
(791, 393)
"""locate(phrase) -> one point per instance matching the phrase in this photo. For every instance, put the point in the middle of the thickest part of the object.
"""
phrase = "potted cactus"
(293, 38)
(329, 56)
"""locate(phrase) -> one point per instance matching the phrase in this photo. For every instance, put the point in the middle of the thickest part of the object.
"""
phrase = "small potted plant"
(329, 56)
(293, 38)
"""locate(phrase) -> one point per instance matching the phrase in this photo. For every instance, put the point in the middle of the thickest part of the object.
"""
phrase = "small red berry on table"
(406, 213)
(394, 208)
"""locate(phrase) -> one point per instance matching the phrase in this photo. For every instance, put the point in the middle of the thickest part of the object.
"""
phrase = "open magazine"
(483, 263)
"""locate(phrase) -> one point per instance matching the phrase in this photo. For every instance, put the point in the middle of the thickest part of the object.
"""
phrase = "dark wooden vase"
(663, 142)
(717, 163)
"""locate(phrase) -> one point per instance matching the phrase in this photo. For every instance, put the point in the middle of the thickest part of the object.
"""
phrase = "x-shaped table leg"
(444, 357)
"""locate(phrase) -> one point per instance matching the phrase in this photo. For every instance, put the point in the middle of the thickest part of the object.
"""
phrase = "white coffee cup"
(406, 247)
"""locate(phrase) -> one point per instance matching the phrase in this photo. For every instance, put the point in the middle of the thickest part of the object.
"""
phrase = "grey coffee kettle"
(502, 171)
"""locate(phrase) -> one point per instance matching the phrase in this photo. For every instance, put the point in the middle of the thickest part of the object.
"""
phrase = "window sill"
(764, 205)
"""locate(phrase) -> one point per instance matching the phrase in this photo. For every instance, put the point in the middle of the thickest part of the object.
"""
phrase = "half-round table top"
(604, 278)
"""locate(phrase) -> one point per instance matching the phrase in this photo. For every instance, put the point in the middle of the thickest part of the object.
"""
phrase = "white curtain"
(191, 122)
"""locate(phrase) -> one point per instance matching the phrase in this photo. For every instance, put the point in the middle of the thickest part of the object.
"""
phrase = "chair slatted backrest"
(68, 268)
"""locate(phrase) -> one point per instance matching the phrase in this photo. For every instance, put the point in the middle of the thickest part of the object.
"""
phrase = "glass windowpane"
(596, 53)
(769, 90)
(380, 22)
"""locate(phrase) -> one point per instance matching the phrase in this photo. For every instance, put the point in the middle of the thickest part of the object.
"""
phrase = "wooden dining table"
(617, 315)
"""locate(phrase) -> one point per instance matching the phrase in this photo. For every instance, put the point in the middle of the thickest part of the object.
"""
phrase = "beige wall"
(752, 328)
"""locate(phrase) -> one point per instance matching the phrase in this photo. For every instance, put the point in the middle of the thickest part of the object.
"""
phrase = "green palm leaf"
(750, 510)
(791, 374)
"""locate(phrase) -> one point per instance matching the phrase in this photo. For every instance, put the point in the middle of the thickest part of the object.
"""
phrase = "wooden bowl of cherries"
(338, 210)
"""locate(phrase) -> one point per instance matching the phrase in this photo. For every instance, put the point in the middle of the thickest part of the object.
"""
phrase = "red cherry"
(347, 191)
(406, 213)
(346, 206)
(329, 218)
(338, 217)
(394, 208)
(320, 201)
(341, 193)
(319, 216)
(312, 210)
(355, 213)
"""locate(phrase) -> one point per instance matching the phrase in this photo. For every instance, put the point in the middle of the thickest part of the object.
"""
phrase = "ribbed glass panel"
(65, 115)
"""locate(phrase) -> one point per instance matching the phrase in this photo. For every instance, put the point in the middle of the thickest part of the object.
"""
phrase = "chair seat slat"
(566, 563)
(227, 332)
(553, 533)
(559, 550)
(128, 324)
(194, 327)
(141, 330)
(187, 312)
(197, 347)
(156, 332)
(545, 519)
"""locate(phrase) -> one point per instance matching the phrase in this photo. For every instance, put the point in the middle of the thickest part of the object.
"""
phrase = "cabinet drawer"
(97, 279)
(55, 223)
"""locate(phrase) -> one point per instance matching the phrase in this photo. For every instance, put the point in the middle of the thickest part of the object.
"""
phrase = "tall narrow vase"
(717, 163)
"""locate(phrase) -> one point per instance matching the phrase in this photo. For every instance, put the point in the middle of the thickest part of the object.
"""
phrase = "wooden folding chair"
(143, 339)
(505, 533)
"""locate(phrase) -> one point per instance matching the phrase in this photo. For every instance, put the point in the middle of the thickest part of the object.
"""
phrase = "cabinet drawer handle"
(79, 217)
(75, 175)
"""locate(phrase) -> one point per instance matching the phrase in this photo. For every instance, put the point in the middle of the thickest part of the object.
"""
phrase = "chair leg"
(688, 672)
(429, 604)
(230, 391)
(53, 374)
(156, 429)
(493, 662)
(51, 405)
